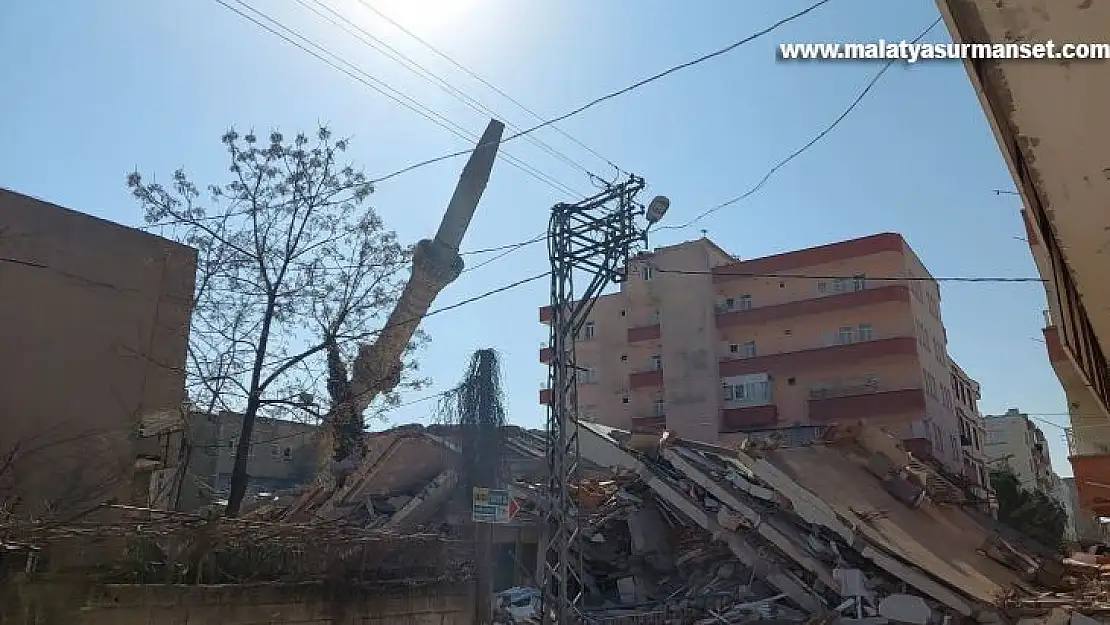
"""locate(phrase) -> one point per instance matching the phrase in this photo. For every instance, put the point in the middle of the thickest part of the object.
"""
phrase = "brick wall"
(57, 603)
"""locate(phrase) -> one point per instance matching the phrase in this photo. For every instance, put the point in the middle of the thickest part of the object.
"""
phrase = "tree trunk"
(239, 476)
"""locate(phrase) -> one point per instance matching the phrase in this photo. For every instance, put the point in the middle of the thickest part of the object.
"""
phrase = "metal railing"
(1088, 440)
(844, 391)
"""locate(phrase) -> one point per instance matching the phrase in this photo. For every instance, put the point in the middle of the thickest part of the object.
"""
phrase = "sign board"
(493, 506)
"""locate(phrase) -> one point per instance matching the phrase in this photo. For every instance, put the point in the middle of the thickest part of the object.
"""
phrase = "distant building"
(1014, 441)
(973, 431)
(283, 454)
(94, 324)
(709, 346)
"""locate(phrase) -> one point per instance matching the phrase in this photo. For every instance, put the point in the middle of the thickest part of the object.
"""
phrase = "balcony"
(821, 357)
(743, 418)
(645, 379)
(1070, 370)
(546, 353)
(1089, 454)
(644, 333)
(867, 405)
(814, 306)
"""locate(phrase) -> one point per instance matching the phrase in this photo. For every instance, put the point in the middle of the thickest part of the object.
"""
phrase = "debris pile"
(142, 546)
(845, 530)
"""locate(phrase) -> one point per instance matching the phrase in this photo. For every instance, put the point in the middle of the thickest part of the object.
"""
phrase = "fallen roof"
(941, 541)
(939, 552)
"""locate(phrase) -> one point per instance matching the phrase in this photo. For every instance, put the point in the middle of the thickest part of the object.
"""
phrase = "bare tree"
(292, 263)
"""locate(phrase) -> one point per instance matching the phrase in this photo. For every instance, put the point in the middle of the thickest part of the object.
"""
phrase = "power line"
(384, 410)
(408, 63)
(487, 83)
(809, 144)
(616, 93)
(384, 89)
(774, 169)
(869, 278)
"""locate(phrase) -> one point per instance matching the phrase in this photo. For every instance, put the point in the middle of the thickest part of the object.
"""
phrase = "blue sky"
(93, 90)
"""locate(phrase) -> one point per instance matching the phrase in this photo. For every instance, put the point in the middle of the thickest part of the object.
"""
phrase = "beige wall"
(94, 320)
(940, 425)
(269, 604)
(680, 317)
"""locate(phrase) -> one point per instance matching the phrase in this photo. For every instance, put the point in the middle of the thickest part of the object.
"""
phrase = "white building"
(1016, 442)
(973, 431)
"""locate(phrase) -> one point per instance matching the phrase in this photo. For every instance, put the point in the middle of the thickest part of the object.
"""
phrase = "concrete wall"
(1010, 442)
(690, 323)
(304, 604)
(94, 321)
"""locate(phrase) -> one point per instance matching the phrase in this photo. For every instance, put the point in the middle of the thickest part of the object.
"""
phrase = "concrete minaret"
(435, 264)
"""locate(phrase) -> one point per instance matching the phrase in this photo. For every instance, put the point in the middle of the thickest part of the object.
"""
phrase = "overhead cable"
(487, 83)
(809, 144)
(386, 90)
(614, 94)
(341, 21)
(869, 278)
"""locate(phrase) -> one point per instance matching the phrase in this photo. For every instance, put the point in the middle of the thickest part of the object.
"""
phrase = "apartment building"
(1014, 441)
(1054, 146)
(966, 393)
(709, 346)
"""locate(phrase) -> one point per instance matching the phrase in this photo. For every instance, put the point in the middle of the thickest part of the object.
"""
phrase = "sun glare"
(426, 17)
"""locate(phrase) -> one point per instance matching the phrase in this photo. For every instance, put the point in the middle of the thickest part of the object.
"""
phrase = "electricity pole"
(594, 239)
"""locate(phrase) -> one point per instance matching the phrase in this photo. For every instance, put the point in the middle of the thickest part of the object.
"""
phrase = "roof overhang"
(1049, 117)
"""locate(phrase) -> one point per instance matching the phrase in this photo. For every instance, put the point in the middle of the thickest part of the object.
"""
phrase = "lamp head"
(657, 208)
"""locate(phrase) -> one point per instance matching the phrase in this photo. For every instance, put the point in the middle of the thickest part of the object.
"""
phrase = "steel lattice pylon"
(593, 238)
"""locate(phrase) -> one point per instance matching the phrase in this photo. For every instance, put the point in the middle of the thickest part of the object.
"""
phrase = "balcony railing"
(1088, 440)
(844, 391)
(1047, 318)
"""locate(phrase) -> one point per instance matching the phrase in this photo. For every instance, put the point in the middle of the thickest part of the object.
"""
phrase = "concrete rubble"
(848, 529)
(841, 531)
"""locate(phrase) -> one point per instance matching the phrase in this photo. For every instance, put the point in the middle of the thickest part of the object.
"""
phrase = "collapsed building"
(847, 527)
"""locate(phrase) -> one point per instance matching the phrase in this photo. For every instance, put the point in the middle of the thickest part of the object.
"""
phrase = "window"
(624, 357)
(274, 451)
(822, 288)
(588, 375)
(865, 331)
(624, 399)
(623, 312)
(840, 285)
(745, 302)
(730, 303)
(734, 348)
(589, 331)
(647, 272)
(655, 318)
(749, 349)
(844, 336)
(657, 362)
(287, 454)
(859, 282)
(753, 392)
(659, 408)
